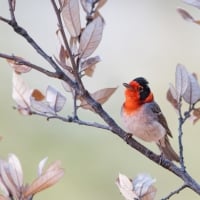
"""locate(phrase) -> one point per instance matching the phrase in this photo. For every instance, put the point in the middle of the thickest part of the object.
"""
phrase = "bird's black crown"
(142, 81)
(145, 91)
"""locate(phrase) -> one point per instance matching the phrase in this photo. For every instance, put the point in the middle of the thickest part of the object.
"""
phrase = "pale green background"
(141, 38)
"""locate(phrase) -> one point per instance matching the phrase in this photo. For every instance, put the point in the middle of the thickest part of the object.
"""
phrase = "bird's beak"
(127, 85)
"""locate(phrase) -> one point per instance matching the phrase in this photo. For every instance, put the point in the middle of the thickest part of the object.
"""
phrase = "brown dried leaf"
(53, 102)
(56, 165)
(195, 3)
(101, 96)
(71, 16)
(63, 65)
(62, 3)
(55, 99)
(3, 188)
(192, 93)
(18, 68)
(65, 85)
(89, 65)
(7, 179)
(197, 22)
(38, 96)
(100, 4)
(172, 96)
(41, 166)
(125, 187)
(142, 186)
(185, 15)
(151, 193)
(15, 170)
(182, 80)
(74, 43)
(41, 106)
(90, 38)
(48, 179)
(195, 115)
(21, 94)
(87, 6)
(63, 55)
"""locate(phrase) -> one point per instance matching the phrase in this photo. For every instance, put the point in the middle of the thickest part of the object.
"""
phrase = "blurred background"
(141, 38)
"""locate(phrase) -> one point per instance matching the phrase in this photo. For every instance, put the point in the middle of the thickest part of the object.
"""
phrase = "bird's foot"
(162, 158)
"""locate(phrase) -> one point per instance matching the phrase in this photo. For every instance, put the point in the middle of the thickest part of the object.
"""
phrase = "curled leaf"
(41, 166)
(90, 38)
(101, 96)
(89, 65)
(125, 187)
(41, 106)
(21, 94)
(17, 67)
(195, 3)
(65, 85)
(143, 187)
(63, 55)
(7, 179)
(100, 4)
(50, 177)
(172, 97)
(71, 16)
(3, 190)
(16, 171)
(195, 115)
(186, 16)
(181, 80)
(52, 103)
(56, 99)
(87, 6)
(192, 93)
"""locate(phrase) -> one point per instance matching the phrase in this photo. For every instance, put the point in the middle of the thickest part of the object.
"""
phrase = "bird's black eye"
(140, 89)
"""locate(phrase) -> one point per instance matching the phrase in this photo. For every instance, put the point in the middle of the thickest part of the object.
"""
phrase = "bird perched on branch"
(142, 117)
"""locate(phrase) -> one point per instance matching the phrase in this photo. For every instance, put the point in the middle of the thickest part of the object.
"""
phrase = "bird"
(143, 118)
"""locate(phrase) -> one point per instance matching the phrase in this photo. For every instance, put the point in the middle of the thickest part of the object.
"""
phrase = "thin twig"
(180, 138)
(175, 192)
(33, 66)
(11, 9)
(71, 120)
(81, 89)
(64, 37)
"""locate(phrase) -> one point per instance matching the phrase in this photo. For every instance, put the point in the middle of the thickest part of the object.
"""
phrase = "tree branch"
(175, 192)
(72, 120)
(31, 65)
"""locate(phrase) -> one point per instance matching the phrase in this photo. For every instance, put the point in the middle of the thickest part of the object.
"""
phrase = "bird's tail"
(167, 150)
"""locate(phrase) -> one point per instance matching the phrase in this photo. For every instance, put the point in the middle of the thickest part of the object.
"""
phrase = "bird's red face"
(137, 93)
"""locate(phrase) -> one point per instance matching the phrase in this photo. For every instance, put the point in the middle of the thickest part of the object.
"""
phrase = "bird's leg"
(162, 158)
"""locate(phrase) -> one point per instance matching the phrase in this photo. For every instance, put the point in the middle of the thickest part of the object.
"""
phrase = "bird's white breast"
(143, 124)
